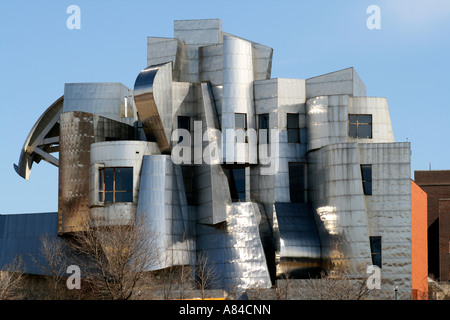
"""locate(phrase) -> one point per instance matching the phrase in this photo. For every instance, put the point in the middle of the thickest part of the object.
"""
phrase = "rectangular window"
(263, 125)
(183, 123)
(366, 175)
(236, 181)
(188, 179)
(375, 249)
(360, 126)
(293, 128)
(297, 182)
(240, 121)
(115, 185)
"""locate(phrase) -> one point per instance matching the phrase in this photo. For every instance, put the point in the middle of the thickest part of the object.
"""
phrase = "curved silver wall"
(153, 98)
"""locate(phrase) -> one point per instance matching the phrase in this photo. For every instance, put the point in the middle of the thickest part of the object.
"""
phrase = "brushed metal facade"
(208, 77)
(153, 97)
(78, 131)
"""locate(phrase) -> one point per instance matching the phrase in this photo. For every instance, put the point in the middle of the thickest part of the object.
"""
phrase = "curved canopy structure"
(42, 140)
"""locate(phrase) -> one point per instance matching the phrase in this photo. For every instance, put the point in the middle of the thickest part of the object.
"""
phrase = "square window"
(240, 120)
(360, 126)
(115, 185)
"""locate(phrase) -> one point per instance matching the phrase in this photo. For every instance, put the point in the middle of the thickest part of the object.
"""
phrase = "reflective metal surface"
(208, 76)
(298, 252)
(78, 131)
(41, 140)
(236, 249)
(153, 98)
(162, 204)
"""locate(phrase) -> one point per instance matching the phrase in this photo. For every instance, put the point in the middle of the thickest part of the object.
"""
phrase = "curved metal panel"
(36, 137)
(236, 248)
(161, 203)
(298, 251)
(153, 98)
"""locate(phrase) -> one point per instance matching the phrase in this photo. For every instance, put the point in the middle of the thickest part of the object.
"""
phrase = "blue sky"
(407, 61)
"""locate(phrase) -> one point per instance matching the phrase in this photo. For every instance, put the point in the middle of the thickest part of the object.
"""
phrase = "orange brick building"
(419, 243)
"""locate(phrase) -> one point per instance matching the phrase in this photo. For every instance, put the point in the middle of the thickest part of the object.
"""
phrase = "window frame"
(373, 254)
(295, 129)
(357, 124)
(233, 186)
(188, 118)
(294, 190)
(365, 181)
(266, 116)
(245, 120)
(102, 192)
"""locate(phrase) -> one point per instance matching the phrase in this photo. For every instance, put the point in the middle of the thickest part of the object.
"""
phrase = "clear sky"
(407, 61)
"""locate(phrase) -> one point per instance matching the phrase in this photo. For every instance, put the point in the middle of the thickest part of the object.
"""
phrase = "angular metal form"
(298, 243)
(153, 98)
(41, 140)
(267, 177)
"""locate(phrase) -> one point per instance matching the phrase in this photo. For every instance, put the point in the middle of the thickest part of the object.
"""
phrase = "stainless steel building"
(266, 176)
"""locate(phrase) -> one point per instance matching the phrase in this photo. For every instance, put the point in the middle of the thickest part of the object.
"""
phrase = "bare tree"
(53, 261)
(206, 275)
(339, 282)
(10, 278)
(284, 286)
(114, 256)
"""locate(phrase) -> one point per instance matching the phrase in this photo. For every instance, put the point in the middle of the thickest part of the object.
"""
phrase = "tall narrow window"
(297, 182)
(375, 249)
(293, 128)
(263, 124)
(188, 179)
(360, 126)
(183, 123)
(366, 175)
(236, 181)
(115, 185)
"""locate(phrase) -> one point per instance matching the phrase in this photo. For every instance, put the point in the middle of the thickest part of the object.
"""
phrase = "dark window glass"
(264, 128)
(364, 131)
(124, 179)
(365, 118)
(240, 120)
(123, 196)
(293, 127)
(115, 185)
(188, 179)
(360, 126)
(109, 179)
(184, 123)
(366, 175)
(297, 182)
(375, 248)
(236, 181)
(109, 197)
